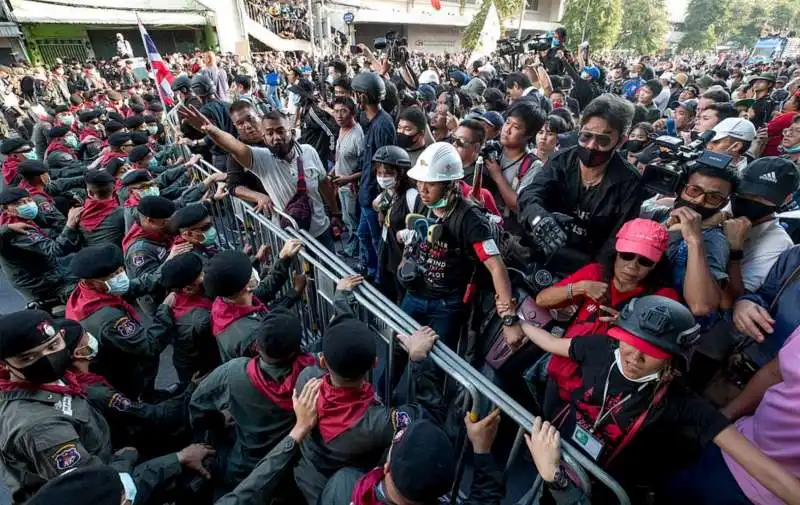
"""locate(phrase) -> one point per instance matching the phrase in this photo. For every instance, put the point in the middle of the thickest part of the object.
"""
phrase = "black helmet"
(392, 155)
(181, 83)
(202, 85)
(660, 321)
(371, 84)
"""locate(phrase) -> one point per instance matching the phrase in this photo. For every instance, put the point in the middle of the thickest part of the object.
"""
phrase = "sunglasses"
(603, 140)
(713, 198)
(641, 260)
(457, 142)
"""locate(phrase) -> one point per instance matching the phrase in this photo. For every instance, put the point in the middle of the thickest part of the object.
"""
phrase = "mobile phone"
(355, 50)
(671, 127)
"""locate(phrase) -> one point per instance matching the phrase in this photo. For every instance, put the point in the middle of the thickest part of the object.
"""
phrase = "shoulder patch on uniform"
(119, 402)
(67, 457)
(139, 259)
(125, 326)
(400, 420)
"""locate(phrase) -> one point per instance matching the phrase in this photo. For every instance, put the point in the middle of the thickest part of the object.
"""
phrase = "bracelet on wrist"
(570, 294)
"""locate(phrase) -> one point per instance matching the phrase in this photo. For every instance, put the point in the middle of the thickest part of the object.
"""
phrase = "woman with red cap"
(636, 267)
(631, 412)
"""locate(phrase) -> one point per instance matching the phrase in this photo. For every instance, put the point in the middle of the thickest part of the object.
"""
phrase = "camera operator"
(591, 183)
(515, 168)
(550, 57)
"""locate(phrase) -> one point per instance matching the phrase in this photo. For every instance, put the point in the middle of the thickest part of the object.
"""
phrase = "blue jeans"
(443, 315)
(369, 236)
(708, 482)
(272, 97)
(347, 199)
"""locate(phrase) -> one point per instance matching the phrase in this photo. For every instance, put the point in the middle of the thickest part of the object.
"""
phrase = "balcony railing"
(286, 20)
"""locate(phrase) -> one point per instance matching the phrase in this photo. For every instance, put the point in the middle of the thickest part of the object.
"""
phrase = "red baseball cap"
(643, 237)
(640, 344)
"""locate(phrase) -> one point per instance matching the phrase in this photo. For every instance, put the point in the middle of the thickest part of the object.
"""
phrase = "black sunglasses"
(629, 256)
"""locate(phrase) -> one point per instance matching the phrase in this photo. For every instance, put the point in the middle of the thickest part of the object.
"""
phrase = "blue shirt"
(378, 133)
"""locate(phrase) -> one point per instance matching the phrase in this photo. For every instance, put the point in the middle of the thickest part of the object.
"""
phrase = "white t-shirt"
(428, 76)
(279, 178)
(764, 243)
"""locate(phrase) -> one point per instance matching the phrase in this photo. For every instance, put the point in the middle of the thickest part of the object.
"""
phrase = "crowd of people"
(609, 240)
(289, 19)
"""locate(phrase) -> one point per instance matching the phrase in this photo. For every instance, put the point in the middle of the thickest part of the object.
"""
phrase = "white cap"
(667, 76)
(439, 162)
(736, 128)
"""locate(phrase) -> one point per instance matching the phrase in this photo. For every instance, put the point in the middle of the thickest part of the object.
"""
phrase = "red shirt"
(587, 322)
(486, 199)
(775, 131)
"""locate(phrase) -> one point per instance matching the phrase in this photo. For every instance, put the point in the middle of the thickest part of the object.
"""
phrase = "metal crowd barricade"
(240, 226)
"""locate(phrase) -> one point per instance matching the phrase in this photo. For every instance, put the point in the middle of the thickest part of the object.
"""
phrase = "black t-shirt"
(680, 416)
(448, 263)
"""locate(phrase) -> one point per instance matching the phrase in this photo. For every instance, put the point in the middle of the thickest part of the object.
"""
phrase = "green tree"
(601, 24)
(644, 26)
(505, 9)
(705, 20)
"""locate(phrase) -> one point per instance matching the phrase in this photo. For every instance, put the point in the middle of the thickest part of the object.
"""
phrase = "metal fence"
(241, 226)
(66, 49)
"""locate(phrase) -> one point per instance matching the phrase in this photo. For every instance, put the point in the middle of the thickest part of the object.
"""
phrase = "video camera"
(669, 172)
(396, 48)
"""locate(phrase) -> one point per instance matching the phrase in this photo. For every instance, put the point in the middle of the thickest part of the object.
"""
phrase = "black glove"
(548, 232)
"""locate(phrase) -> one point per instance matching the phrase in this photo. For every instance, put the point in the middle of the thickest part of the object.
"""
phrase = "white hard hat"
(439, 162)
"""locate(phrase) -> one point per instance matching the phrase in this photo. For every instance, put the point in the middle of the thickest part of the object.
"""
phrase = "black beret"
(12, 144)
(88, 115)
(139, 138)
(114, 95)
(98, 177)
(95, 484)
(227, 273)
(13, 194)
(31, 168)
(156, 207)
(97, 261)
(150, 119)
(113, 127)
(138, 153)
(148, 97)
(114, 166)
(349, 348)
(188, 216)
(132, 122)
(181, 271)
(423, 445)
(57, 131)
(116, 116)
(155, 107)
(119, 138)
(137, 108)
(23, 330)
(60, 109)
(73, 331)
(279, 335)
(135, 177)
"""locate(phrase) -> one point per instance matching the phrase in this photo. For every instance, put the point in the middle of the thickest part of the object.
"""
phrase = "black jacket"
(319, 130)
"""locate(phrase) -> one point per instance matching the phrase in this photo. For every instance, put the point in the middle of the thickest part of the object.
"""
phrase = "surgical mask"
(646, 378)
(46, 369)
(153, 163)
(386, 182)
(152, 130)
(68, 120)
(555, 43)
(404, 141)
(28, 210)
(634, 146)
(790, 150)
(72, 141)
(585, 76)
(129, 486)
(31, 155)
(151, 191)
(593, 157)
(210, 236)
(440, 204)
(94, 347)
(704, 212)
(119, 284)
(752, 210)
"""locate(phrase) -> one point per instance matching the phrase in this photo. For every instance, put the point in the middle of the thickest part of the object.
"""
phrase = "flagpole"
(152, 68)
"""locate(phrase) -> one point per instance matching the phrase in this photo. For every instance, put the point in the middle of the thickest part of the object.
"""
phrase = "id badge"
(385, 234)
(588, 442)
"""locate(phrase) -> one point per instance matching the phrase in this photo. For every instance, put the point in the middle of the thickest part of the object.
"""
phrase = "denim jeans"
(272, 97)
(369, 236)
(443, 315)
(347, 199)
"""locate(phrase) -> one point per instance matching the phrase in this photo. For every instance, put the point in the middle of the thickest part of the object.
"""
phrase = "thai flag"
(164, 77)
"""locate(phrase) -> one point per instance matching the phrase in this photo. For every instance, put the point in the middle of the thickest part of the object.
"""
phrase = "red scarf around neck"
(224, 314)
(280, 393)
(58, 145)
(10, 165)
(340, 409)
(137, 232)
(71, 387)
(86, 134)
(86, 379)
(185, 303)
(95, 211)
(111, 155)
(36, 191)
(133, 199)
(84, 301)
(364, 490)
(6, 219)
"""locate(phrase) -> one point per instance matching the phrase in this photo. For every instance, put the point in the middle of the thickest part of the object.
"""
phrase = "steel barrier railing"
(241, 225)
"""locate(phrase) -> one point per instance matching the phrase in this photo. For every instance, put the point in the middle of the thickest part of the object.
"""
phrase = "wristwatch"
(560, 480)
(736, 255)
(510, 320)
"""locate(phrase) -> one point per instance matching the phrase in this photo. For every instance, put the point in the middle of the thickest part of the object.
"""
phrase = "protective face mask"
(210, 236)
(593, 157)
(585, 76)
(752, 210)
(72, 141)
(153, 163)
(129, 487)
(440, 204)
(555, 43)
(646, 378)
(28, 211)
(94, 347)
(119, 284)
(152, 130)
(151, 191)
(46, 369)
(31, 155)
(634, 146)
(386, 182)
(704, 212)
(68, 120)
(404, 141)
(790, 150)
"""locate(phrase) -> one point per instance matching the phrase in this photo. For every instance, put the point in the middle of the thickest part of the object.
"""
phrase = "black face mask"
(405, 141)
(704, 212)
(593, 157)
(634, 146)
(48, 368)
(752, 210)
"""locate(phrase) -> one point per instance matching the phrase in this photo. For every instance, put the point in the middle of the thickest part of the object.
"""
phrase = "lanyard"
(600, 415)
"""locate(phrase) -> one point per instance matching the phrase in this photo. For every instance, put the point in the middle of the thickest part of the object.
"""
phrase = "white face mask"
(94, 347)
(646, 378)
(386, 182)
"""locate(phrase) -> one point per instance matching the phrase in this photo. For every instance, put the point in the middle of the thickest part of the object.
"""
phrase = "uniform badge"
(67, 457)
(139, 260)
(125, 326)
(162, 253)
(119, 402)
(401, 420)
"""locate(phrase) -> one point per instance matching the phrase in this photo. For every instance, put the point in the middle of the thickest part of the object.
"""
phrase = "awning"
(110, 12)
(9, 30)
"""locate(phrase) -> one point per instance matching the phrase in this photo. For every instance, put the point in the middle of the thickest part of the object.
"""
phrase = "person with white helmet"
(442, 247)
